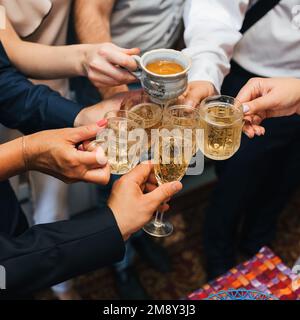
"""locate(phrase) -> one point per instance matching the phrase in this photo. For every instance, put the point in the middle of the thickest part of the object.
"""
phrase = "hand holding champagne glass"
(172, 157)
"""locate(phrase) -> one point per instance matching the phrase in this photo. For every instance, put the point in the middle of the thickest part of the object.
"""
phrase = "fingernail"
(246, 108)
(100, 156)
(101, 123)
(177, 186)
(189, 103)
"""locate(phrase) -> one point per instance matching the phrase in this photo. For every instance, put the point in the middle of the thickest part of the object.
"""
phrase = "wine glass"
(139, 103)
(119, 140)
(184, 117)
(221, 117)
(173, 153)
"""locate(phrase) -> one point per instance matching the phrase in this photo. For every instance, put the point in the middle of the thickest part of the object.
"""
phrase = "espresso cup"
(162, 88)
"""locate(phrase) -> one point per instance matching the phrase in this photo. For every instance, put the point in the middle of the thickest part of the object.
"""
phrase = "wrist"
(30, 151)
(81, 61)
(121, 225)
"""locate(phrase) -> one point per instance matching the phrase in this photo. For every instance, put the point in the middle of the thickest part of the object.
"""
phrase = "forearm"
(47, 62)
(11, 159)
(55, 252)
(41, 61)
(211, 33)
(92, 20)
(31, 108)
(92, 24)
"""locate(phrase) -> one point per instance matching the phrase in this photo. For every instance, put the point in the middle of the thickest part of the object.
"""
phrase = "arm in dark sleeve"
(48, 254)
(30, 107)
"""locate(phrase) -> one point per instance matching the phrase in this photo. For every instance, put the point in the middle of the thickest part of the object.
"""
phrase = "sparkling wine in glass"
(172, 157)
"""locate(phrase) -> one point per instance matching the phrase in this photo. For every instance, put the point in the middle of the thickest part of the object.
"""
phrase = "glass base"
(159, 230)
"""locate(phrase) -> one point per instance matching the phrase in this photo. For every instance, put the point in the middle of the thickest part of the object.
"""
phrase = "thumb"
(85, 132)
(264, 103)
(162, 193)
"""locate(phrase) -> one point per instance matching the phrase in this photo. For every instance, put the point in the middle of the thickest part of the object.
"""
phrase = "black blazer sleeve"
(29, 107)
(50, 253)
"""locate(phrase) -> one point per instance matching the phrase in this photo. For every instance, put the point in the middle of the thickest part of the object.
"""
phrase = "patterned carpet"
(186, 252)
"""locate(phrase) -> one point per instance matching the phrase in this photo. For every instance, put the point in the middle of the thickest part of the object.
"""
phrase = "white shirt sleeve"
(211, 33)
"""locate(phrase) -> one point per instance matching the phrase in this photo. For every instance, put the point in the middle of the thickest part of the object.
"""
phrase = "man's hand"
(105, 64)
(267, 98)
(55, 152)
(131, 207)
(197, 91)
(96, 112)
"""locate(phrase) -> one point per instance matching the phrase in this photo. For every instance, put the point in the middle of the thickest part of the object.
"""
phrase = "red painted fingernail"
(101, 123)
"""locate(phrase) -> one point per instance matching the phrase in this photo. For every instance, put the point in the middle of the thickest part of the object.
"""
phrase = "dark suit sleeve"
(31, 108)
(50, 253)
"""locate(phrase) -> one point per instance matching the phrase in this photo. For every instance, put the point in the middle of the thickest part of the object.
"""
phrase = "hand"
(97, 112)
(54, 152)
(266, 98)
(197, 91)
(110, 92)
(131, 207)
(102, 64)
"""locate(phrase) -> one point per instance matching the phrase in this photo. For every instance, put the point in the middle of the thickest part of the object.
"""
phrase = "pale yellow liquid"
(165, 173)
(151, 114)
(222, 132)
(119, 160)
(121, 156)
(172, 170)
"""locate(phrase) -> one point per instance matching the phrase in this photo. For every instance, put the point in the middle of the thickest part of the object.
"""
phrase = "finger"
(149, 187)
(123, 60)
(89, 145)
(132, 51)
(140, 173)
(119, 75)
(100, 80)
(98, 176)
(194, 97)
(84, 133)
(163, 192)
(251, 90)
(152, 179)
(249, 131)
(163, 208)
(261, 104)
(259, 131)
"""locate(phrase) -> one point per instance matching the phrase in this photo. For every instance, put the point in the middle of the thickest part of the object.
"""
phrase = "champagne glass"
(139, 103)
(173, 153)
(184, 117)
(221, 117)
(118, 140)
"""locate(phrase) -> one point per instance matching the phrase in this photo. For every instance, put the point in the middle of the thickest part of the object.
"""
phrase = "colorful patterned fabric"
(264, 273)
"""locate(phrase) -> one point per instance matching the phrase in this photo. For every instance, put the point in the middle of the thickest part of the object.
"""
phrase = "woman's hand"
(104, 64)
(267, 98)
(97, 112)
(55, 152)
(131, 207)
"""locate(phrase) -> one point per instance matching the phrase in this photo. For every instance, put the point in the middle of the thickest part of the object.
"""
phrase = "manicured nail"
(246, 108)
(101, 123)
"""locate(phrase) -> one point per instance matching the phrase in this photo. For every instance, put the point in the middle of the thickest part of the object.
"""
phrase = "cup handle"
(138, 72)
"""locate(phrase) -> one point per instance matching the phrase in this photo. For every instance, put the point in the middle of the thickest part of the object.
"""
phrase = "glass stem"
(158, 221)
